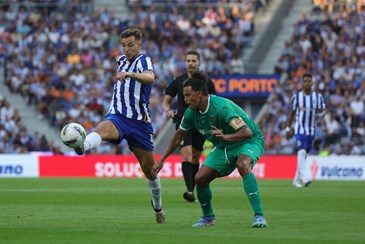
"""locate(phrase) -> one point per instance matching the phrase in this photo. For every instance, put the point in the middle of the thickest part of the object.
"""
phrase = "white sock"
(302, 154)
(92, 140)
(296, 177)
(156, 192)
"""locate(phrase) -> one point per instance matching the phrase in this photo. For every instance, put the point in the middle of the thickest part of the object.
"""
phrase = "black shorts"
(193, 138)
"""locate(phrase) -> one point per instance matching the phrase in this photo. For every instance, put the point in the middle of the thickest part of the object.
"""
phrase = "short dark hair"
(307, 75)
(200, 75)
(193, 52)
(197, 84)
(137, 33)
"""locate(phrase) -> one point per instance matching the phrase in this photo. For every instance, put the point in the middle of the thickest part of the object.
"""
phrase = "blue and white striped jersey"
(306, 106)
(130, 97)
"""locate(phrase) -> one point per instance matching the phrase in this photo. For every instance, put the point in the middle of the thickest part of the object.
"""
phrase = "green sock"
(205, 200)
(252, 192)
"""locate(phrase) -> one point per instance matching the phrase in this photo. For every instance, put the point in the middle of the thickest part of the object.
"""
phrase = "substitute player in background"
(192, 145)
(307, 107)
(238, 142)
(128, 116)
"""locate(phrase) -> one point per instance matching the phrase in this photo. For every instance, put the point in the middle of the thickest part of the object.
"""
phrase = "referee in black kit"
(192, 145)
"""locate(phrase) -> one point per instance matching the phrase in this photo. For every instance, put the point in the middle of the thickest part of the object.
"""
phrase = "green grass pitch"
(69, 210)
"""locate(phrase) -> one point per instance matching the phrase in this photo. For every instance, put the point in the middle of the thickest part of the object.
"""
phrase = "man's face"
(192, 63)
(307, 84)
(191, 97)
(131, 47)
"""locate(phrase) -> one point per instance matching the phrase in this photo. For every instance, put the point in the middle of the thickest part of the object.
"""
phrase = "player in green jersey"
(238, 142)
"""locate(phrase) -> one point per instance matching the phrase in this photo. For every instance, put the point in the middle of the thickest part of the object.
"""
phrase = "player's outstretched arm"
(174, 143)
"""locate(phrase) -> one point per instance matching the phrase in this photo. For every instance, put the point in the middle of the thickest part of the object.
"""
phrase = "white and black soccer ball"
(73, 135)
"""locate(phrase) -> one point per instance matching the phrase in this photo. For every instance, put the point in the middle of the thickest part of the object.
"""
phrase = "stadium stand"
(59, 57)
(329, 45)
(67, 73)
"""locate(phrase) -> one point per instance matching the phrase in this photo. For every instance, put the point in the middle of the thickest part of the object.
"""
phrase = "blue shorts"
(304, 142)
(138, 133)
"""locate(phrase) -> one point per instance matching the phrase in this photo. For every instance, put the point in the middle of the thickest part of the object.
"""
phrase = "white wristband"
(287, 129)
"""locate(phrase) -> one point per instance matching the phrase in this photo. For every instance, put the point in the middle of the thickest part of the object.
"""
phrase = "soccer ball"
(73, 135)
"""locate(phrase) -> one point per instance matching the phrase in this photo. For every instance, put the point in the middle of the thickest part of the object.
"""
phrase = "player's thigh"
(252, 149)
(196, 155)
(219, 160)
(197, 146)
(186, 153)
(107, 131)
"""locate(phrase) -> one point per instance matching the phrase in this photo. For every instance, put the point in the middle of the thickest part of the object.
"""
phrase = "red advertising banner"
(127, 166)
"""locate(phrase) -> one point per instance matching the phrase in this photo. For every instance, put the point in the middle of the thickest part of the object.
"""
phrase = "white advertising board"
(19, 166)
(337, 167)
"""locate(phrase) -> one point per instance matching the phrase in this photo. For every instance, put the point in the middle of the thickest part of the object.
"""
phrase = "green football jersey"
(219, 113)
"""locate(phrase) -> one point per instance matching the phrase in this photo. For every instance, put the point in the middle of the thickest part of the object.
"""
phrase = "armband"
(287, 129)
(167, 110)
(237, 123)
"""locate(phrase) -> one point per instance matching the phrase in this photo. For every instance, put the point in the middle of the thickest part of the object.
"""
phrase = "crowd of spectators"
(14, 136)
(331, 47)
(61, 58)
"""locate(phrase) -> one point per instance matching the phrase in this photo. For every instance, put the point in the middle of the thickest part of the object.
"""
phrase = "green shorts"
(224, 160)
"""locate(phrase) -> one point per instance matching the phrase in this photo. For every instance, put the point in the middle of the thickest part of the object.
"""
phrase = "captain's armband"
(237, 123)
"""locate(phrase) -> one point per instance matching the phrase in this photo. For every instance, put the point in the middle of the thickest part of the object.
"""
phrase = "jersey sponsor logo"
(204, 132)
(237, 123)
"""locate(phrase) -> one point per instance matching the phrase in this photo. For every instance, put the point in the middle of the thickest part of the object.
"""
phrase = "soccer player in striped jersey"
(128, 116)
(307, 107)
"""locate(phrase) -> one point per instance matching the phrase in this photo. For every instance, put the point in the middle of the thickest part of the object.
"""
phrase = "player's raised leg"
(105, 131)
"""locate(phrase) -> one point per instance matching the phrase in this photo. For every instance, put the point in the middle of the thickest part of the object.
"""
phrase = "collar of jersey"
(206, 110)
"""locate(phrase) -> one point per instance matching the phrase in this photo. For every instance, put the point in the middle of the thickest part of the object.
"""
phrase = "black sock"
(195, 168)
(186, 168)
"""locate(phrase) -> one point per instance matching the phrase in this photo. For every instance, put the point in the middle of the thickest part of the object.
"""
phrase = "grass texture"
(105, 210)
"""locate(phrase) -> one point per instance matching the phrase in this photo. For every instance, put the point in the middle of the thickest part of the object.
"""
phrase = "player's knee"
(148, 175)
(195, 159)
(244, 167)
(201, 180)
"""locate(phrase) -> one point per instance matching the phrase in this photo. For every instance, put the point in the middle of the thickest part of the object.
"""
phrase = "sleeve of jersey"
(231, 117)
(186, 121)
(144, 64)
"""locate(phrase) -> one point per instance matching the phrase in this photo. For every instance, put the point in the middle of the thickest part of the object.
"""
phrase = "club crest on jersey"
(212, 119)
